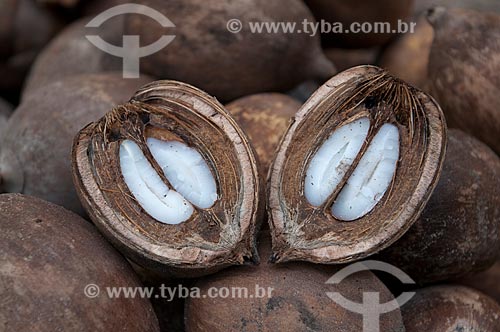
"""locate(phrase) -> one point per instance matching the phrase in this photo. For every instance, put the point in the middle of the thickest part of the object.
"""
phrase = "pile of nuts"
(250, 179)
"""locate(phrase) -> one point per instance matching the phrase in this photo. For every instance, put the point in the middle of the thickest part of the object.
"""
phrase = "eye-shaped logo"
(371, 308)
(130, 51)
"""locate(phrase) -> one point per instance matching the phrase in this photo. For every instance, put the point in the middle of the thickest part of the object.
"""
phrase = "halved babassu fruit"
(355, 169)
(171, 180)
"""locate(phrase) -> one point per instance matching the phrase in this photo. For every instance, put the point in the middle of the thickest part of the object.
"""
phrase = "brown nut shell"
(481, 5)
(25, 28)
(264, 117)
(345, 58)
(212, 238)
(359, 11)
(459, 230)
(5, 112)
(302, 231)
(225, 63)
(463, 67)
(451, 308)
(70, 54)
(486, 282)
(408, 56)
(292, 296)
(35, 151)
(51, 259)
(62, 3)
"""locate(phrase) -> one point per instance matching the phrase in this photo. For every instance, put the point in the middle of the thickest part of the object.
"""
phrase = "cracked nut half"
(171, 180)
(355, 168)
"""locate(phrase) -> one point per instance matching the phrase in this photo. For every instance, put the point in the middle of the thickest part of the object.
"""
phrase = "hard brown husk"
(36, 149)
(303, 232)
(463, 67)
(264, 118)
(95, 7)
(345, 58)
(62, 3)
(48, 257)
(451, 308)
(408, 56)
(225, 64)
(297, 302)
(25, 28)
(486, 282)
(211, 238)
(5, 112)
(70, 54)
(459, 229)
(480, 5)
(359, 11)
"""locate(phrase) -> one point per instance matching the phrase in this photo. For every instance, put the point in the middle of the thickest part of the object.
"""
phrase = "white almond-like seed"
(371, 178)
(186, 170)
(333, 159)
(159, 201)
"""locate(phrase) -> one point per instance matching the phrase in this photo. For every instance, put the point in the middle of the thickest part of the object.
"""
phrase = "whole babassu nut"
(451, 308)
(345, 58)
(264, 117)
(360, 12)
(407, 57)
(459, 230)
(422, 6)
(35, 151)
(462, 71)
(291, 296)
(56, 269)
(230, 64)
(5, 112)
(486, 281)
(71, 54)
(25, 29)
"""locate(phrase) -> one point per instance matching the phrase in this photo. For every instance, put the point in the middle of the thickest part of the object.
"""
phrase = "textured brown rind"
(459, 229)
(264, 118)
(345, 58)
(463, 67)
(25, 29)
(486, 282)
(408, 56)
(8, 9)
(451, 308)
(303, 232)
(359, 11)
(95, 7)
(48, 256)
(70, 54)
(212, 238)
(298, 301)
(19, 20)
(35, 153)
(480, 5)
(62, 3)
(225, 64)
(5, 112)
